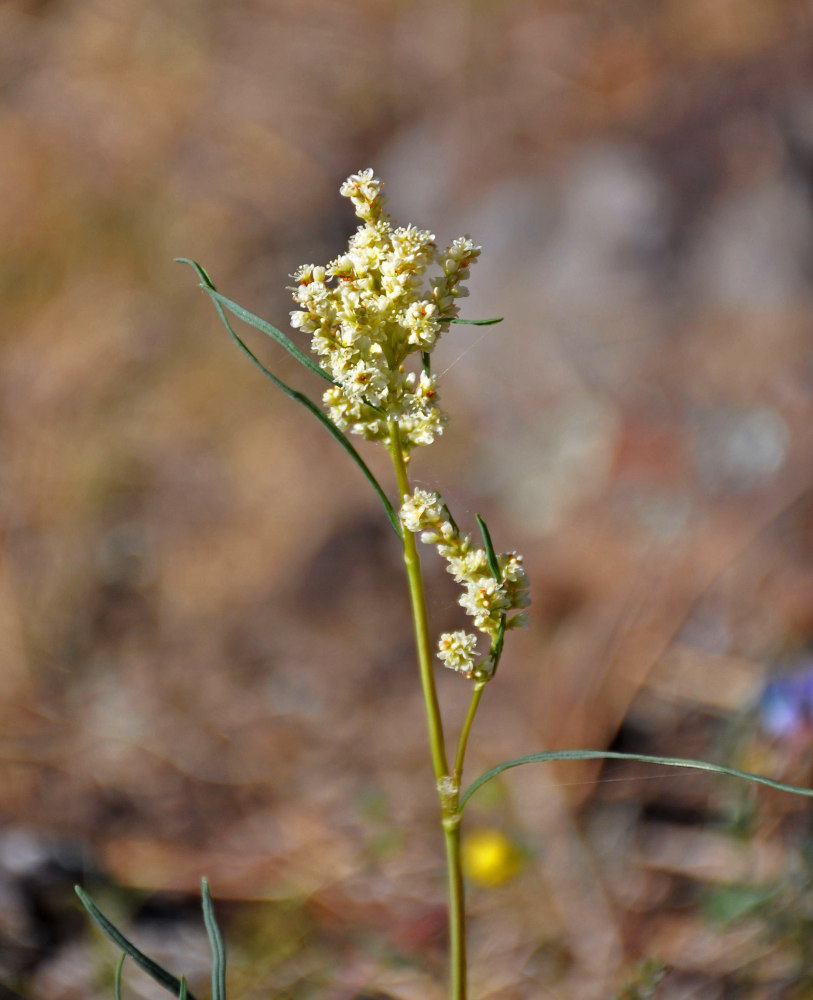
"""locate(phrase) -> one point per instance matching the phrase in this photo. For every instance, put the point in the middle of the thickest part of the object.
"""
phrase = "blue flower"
(786, 705)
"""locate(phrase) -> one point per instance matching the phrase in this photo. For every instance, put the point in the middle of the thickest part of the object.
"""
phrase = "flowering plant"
(374, 320)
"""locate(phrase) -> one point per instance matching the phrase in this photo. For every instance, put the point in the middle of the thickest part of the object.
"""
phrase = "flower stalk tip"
(370, 309)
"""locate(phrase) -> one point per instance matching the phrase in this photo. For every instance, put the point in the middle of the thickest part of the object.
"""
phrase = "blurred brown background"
(206, 655)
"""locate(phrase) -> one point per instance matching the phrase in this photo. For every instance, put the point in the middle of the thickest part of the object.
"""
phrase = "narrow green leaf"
(203, 274)
(158, 973)
(183, 995)
(259, 324)
(471, 322)
(301, 398)
(697, 765)
(493, 563)
(215, 943)
(271, 331)
(117, 980)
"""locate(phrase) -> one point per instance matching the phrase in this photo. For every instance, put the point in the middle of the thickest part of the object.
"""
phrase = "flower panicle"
(369, 309)
(487, 600)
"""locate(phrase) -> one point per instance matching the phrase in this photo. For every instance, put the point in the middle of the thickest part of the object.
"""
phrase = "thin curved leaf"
(170, 983)
(697, 765)
(300, 397)
(471, 322)
(117, 979)
(256, 321)
(215, 943)
(265, 327)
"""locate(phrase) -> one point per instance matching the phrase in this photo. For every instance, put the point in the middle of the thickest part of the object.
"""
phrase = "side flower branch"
(487, 598)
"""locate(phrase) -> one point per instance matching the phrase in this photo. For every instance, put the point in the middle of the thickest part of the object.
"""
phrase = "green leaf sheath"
(697, 765)
(215, 943)
(170, 983)
(496, 648)
(300, 397)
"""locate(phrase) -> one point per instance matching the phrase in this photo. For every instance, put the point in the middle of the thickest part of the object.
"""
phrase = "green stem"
(464, 734)
(457, 910)
(448, 786)
(419, 617)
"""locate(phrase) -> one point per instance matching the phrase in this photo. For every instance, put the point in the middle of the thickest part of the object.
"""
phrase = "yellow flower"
(489, 857)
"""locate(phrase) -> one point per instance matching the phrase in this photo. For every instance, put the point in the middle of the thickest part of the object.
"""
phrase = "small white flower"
(420, 320)
(467, 565)
(365, 381)
(457, 650)
(364, 190)
(485, 600)
(515, 581)
(421, 510)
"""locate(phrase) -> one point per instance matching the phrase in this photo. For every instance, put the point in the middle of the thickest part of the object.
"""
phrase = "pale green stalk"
(457, 909)
(448, 785)
(451, 828)
(419, 618)
(464, 734)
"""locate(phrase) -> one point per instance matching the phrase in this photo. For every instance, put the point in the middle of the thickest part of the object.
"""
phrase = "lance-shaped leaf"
(170, 983)
(264, 327)
(301, 398)
(696, 765)
(215, 943)
(493, 562)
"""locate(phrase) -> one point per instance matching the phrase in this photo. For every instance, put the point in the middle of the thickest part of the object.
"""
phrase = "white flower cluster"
(486, 599)
(368, 310)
